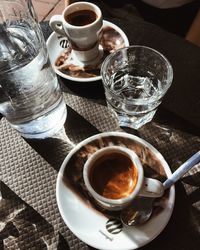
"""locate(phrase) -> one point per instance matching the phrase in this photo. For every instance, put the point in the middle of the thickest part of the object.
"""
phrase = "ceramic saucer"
(97, 227)
(66, 66)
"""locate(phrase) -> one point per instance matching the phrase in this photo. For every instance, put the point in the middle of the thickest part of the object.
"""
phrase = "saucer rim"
(89, 79)
(171, 199)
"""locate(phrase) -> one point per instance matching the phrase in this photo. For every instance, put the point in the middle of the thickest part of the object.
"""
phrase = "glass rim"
(138, 100)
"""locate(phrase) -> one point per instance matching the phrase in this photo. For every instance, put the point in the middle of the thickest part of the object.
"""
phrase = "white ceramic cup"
(84, 39)
(146, 187)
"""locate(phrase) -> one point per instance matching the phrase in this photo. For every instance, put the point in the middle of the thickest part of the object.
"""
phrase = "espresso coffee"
(81, 17)
(113, 176)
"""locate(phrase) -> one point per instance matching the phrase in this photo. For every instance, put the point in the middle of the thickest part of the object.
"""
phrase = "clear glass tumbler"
(30, 95)
(135, 80)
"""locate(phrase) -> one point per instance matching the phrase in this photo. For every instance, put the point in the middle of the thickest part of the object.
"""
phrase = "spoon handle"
(186, 166)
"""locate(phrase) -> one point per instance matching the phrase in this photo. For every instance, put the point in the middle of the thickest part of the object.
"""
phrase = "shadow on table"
(22, 227)
(91, 90)
(54, 150)
(180, 232)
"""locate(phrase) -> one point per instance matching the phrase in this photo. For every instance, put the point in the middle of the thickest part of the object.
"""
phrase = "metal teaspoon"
(141, 210)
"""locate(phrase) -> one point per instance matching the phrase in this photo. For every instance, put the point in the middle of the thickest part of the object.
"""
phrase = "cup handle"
(56, 25)
(151, 188)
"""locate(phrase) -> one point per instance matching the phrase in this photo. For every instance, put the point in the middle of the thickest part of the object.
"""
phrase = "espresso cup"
(81, 22)
(114, 177)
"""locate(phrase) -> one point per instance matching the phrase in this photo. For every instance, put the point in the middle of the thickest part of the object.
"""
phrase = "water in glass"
(135, 83)
(30, 95)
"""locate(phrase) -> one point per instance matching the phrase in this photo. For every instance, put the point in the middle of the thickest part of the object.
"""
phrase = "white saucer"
(57, 45)
(89, 223)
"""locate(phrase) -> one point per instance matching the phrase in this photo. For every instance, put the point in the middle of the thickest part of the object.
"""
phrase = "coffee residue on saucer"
(73, 177)
(110, 41)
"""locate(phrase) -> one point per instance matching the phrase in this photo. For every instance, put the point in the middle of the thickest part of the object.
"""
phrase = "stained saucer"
(99, 228)
(68, 67)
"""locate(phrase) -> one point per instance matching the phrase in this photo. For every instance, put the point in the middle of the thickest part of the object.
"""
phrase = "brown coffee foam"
(114, 176)
(81, 17)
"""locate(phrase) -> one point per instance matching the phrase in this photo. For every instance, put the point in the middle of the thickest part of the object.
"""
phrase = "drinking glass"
(135, 80)
(30, 96)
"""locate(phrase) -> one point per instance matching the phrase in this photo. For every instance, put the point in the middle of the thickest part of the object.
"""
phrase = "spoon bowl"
(138, 212)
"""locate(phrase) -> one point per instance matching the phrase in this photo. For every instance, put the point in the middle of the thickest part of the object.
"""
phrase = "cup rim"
(134, 158)
(138, 100)
(97, 9)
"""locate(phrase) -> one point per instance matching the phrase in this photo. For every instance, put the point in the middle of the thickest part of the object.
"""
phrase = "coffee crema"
(81, 17)
(113, 176)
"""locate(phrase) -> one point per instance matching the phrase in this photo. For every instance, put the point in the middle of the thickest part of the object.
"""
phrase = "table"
(29, 216)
